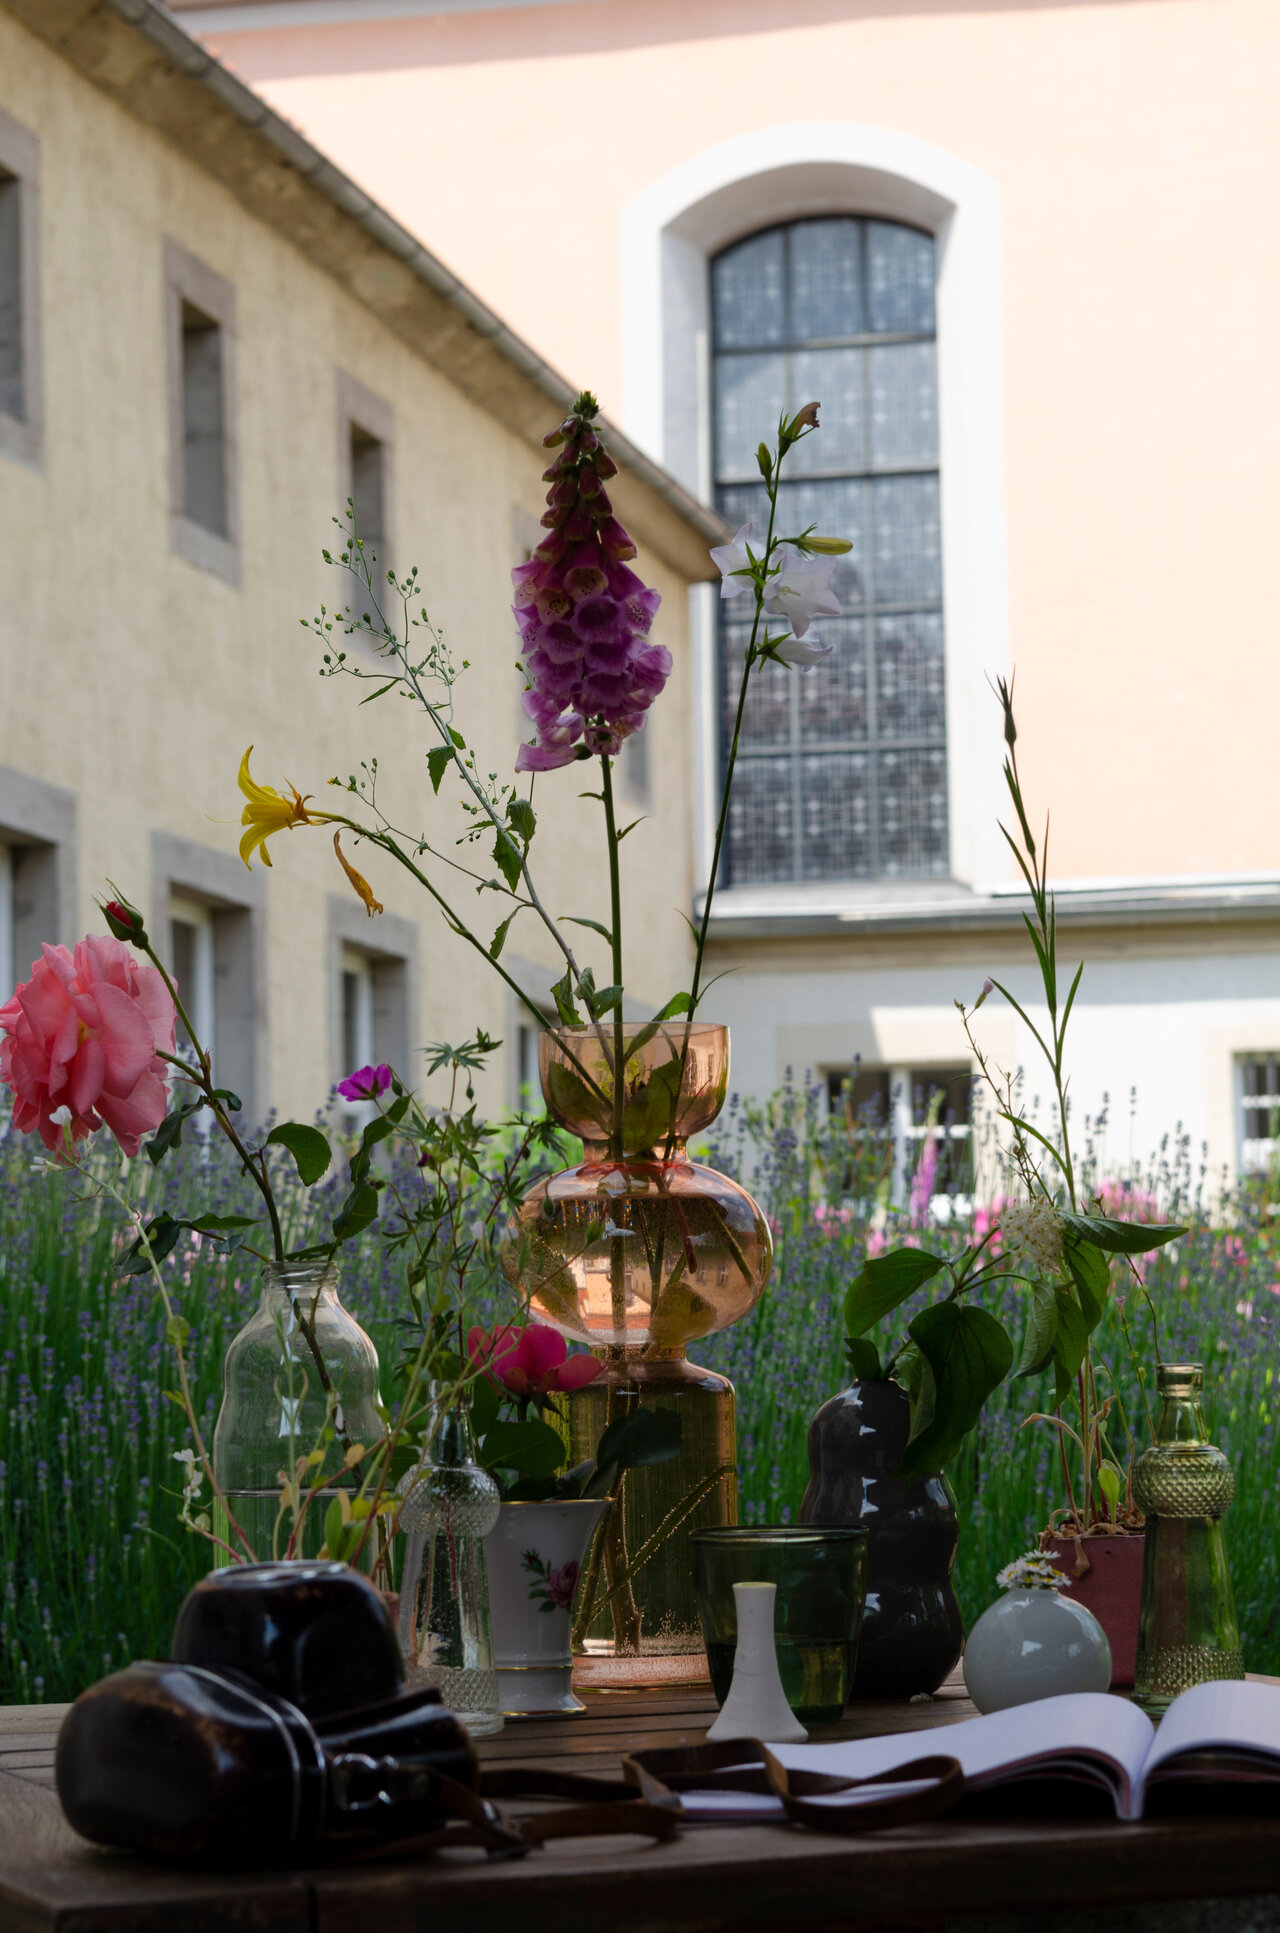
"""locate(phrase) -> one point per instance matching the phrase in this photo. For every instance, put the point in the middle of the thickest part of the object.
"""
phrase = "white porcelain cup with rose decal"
(535, 1556)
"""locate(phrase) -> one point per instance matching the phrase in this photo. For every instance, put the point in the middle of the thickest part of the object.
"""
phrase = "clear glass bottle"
(275, 1406)
(1187, 1629)
(450, 1506)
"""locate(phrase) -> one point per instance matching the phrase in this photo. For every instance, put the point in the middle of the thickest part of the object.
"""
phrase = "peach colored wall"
(1135, 143)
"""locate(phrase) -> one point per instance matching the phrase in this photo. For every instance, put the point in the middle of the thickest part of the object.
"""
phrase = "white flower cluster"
(1033, 1572)
(1032, 1234)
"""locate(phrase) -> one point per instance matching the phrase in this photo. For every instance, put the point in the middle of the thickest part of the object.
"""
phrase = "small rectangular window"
(368, 486)
(1259, 1112)
(204, 464)
(193, 953)
(13, 400)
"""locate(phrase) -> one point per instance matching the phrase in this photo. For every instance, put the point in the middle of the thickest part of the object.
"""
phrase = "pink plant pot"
(1111, 1588)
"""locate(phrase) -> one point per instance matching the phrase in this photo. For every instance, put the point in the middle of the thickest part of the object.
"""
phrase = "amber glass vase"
(638, 1251)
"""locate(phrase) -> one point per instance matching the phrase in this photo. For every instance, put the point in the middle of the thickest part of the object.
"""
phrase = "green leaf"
(169, 1133)
(439, 759)
(642, 1436)
(1072, 1338)
(520, 814)
(220, 1224)
(230, 1101)
(532, 1490)
(177, 1329)
(1122, 1238)
(1087, 1266)
(864, 1360)
(604, 1001)
(357, 1211)
(308, 1147)
(913, 1371)
(506, 857)
(1110, 1482)
(969, 1353)
(486, 1401)
(499, 939)
(532, 1448)
(162, 1235)
(570, 919)
(457, 738)
(884, 1283)
(1042, 1327)
(562, 994)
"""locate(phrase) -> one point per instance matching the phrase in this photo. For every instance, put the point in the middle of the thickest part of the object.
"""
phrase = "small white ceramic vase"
(757, 1705)
(534, 1555)
(1034, 1644)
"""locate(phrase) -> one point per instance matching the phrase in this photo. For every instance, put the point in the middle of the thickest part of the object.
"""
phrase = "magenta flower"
(366, 1083)
(584, 616)
(530, 1362)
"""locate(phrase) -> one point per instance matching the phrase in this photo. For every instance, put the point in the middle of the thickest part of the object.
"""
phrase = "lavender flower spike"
(584, 617)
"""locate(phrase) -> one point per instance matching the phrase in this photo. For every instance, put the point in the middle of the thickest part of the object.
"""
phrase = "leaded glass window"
(842, 772)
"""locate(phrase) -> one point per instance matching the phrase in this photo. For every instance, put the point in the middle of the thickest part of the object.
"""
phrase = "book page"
(1086, 1735)
(1229, 1716)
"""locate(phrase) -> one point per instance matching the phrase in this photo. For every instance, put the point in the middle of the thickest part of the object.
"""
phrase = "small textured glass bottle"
(450, 1507)
(1187, 1631)
(275, 1406)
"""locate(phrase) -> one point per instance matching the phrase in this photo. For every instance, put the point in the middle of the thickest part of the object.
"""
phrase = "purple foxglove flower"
(584, 616)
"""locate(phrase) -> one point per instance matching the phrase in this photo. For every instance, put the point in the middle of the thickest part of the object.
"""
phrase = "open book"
(1214, 1732)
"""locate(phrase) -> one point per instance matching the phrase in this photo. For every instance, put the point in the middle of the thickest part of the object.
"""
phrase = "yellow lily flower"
(361, 884)
(267, 812)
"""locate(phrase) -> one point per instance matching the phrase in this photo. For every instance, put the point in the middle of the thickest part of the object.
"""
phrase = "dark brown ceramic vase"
(912, 1630)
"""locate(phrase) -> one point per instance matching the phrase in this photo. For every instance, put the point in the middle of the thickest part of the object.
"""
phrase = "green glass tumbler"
(820, 1572)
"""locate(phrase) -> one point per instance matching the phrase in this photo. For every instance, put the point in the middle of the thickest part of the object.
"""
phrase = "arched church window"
(842, 772)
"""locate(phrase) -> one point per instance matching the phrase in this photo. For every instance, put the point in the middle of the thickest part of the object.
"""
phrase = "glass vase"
(1187, 1630)
(637, 1251)
(450, 1506)
(301, 1363)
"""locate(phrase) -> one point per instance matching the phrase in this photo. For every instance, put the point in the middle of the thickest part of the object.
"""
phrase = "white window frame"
(667, 236)
(22, 436)
(357, 966)
(191, 282)
(199, 998)
(1257, 1154)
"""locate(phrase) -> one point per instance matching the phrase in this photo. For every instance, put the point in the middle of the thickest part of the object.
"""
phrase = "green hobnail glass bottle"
(1187, 1629)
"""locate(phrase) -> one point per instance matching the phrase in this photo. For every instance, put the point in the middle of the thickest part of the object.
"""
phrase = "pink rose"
(532, 1361)
(562, 1584)
(84, 1033)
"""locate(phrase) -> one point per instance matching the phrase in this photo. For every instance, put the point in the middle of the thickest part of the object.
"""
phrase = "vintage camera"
(279, 1733)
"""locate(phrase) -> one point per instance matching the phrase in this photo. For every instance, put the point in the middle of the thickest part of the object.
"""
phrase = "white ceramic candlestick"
(756, 1706)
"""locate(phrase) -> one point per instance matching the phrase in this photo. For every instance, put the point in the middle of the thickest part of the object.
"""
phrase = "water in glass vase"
(653, 1611)
(301, 1364)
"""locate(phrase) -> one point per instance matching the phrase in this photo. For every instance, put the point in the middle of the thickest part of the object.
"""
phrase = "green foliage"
(884, 1283)
(310, 1149)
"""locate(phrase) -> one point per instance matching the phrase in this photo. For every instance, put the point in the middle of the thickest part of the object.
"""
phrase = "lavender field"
(93, 1560)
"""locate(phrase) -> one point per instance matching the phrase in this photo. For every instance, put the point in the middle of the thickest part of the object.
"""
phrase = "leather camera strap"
(646, 1800)
(808, 1798)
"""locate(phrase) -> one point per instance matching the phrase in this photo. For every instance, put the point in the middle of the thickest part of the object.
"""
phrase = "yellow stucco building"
(209, 339)
(1023, 250)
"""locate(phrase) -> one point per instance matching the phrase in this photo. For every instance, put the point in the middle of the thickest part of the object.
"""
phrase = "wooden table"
(732, 1877)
